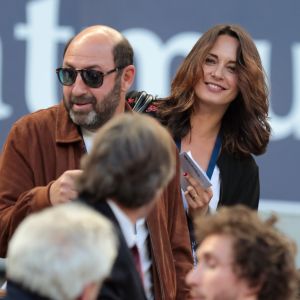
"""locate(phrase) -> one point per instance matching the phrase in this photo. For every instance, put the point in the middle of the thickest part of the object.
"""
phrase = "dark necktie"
(137, 261)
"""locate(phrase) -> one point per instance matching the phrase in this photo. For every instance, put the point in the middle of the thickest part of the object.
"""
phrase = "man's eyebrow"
(94, 66)
(68, 65)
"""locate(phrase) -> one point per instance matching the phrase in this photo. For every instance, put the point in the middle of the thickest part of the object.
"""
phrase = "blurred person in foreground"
(41, 157)
(131, 162)
(61, 253)
(242, 257)
(298, 294)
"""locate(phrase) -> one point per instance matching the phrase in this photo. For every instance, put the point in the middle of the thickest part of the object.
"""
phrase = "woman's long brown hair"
(245, 128)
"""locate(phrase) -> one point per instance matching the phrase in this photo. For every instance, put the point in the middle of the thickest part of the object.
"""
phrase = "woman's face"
(219, 85)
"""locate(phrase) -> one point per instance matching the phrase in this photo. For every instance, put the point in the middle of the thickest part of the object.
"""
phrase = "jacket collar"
(66, 131)
(17, 292)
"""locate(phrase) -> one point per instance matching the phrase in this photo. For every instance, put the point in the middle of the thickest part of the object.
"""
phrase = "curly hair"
(245, 128)
(132, 157)
(263, 256)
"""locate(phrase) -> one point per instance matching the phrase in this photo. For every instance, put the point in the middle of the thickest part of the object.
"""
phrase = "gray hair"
(59, 251)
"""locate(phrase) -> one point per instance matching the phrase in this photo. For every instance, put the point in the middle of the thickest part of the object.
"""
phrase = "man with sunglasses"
(41, 157)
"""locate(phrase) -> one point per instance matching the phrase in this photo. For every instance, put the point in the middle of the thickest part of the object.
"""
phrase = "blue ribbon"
(213, 158)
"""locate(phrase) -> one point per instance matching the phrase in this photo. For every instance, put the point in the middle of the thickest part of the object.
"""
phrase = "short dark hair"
(123, 53)
(132, 157)
(263, 256)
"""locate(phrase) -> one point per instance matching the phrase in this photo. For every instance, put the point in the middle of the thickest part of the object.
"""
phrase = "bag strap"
(139, 101)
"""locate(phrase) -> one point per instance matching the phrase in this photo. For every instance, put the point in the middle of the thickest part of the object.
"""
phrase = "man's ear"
(90, 292)
(251, 292)
(127, 78)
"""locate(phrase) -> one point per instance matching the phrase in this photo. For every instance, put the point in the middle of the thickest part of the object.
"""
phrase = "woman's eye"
(209, 61)
(232, 69)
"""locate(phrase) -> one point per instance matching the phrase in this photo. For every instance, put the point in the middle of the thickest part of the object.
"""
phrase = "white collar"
(127, 227)
(88, 138)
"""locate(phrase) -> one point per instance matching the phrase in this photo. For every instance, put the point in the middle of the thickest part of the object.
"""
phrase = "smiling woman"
(219, 87)
(217, 111)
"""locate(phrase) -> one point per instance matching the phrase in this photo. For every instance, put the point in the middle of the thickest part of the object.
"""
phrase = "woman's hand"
(197, 197)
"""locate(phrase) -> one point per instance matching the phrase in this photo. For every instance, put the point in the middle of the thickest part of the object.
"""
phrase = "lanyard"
(213, 158)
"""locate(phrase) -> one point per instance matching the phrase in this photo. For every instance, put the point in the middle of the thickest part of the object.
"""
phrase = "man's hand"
(63, 189)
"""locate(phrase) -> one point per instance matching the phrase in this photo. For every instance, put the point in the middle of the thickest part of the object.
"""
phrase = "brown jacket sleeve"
(180, 240)
(40, 147)
(20, 191)
(171, 248)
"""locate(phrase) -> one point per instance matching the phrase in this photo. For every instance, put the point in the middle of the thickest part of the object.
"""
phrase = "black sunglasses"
(92, 78)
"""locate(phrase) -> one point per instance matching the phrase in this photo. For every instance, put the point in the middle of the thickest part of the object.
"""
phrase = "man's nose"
(79, 87)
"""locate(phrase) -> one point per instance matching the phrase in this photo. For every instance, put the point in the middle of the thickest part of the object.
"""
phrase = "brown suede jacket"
(44, 144)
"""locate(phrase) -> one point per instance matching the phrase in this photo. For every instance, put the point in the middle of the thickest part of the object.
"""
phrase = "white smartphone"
(188, 165)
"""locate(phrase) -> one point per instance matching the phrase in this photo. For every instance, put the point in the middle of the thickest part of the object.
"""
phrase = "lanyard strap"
(178, 143)
(213, 158)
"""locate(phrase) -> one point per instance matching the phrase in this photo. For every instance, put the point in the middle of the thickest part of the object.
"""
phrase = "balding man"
(41, 157)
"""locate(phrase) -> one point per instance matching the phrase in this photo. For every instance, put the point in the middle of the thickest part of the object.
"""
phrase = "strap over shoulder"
(140, 101)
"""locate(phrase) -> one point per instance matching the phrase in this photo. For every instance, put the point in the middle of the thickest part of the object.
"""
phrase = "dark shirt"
(16, 291)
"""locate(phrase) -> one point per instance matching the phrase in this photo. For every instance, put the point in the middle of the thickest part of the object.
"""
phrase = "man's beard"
(102, 111)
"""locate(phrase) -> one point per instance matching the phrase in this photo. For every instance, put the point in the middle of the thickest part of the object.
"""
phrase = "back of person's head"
(61, 250)
(132, 157)
(262, 255)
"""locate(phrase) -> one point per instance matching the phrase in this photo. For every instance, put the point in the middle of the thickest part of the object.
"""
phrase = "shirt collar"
(127, 227)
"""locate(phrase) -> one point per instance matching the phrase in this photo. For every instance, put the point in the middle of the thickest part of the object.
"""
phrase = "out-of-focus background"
(33, 34)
